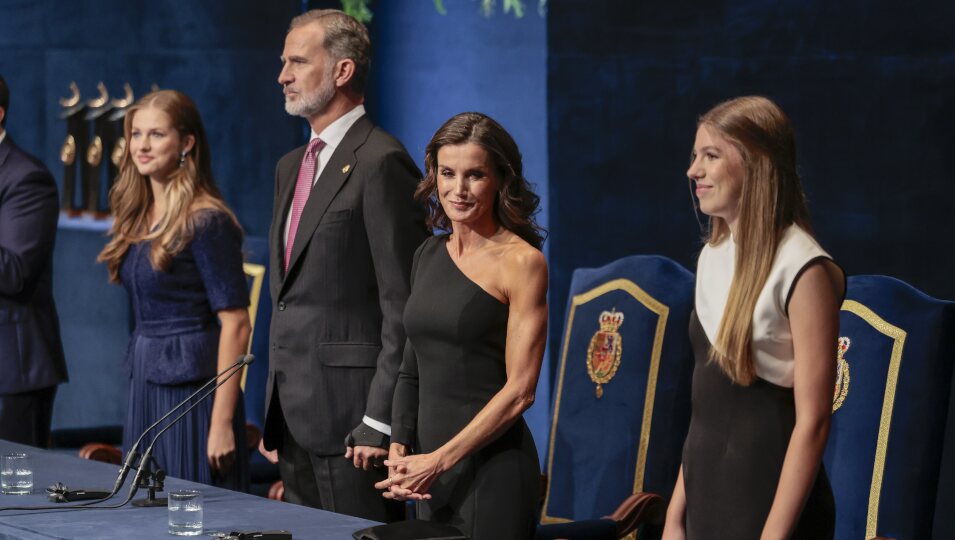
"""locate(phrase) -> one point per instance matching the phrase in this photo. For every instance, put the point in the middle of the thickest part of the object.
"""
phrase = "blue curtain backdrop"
(867, 84)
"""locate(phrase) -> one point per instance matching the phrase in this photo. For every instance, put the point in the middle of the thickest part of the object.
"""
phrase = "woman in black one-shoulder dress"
(476, 323)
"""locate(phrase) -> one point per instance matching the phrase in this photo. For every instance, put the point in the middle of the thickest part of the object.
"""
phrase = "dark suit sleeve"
(28, 216)
(395, 225)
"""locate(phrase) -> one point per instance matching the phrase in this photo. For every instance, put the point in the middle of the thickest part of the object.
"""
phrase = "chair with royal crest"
(886, 457)
(622, 399)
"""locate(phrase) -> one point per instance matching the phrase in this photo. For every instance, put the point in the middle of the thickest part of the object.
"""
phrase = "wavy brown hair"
(189, 189)
(515, 205)
(771, 200)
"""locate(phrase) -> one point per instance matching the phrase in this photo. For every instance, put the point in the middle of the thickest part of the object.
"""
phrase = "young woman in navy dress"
(176, 247)
(764, 334)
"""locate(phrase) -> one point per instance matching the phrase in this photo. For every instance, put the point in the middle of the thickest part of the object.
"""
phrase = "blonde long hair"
(189, 188)
(771, 200)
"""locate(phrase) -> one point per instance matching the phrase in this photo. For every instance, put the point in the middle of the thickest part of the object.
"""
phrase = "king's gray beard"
(308, 105)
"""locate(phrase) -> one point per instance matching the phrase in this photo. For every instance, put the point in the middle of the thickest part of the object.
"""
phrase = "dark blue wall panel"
(868, 86)
(94, 325)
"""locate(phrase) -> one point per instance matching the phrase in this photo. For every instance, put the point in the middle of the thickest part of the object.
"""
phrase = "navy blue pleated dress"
(175, 344)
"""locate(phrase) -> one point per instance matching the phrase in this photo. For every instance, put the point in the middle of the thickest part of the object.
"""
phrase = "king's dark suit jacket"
(31, 353)
(336, 334)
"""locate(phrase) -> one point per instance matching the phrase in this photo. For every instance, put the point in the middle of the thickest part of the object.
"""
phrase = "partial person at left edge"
(31, 353)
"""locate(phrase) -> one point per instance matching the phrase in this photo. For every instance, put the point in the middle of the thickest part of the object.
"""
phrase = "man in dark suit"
(344, 230)
(31, 354)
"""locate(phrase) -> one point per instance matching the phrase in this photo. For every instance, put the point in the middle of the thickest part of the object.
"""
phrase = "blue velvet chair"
(622, 398)
(890, 406)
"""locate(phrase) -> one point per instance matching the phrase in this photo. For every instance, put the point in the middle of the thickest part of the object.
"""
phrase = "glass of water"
(16, 476)
(185, 512)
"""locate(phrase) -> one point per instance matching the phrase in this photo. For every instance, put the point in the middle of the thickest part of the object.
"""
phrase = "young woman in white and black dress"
(477, 322)
(764, 335)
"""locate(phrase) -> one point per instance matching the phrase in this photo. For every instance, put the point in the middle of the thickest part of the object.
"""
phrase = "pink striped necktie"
(303, 187)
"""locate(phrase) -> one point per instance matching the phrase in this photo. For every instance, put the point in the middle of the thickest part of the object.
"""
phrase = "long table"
(223, 510)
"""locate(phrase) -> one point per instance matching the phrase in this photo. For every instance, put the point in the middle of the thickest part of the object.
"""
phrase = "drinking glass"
(185, 512)
(16, 476)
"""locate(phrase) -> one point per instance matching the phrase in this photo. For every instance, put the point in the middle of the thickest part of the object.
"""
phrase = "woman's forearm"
(676, 511)
(814, 321)
(499, 414)
(233, 342)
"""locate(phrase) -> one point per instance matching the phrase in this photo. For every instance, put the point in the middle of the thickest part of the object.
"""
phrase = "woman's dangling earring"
(182, 158)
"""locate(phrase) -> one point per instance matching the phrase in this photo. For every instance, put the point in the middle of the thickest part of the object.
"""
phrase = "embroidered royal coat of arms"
(842, 374)
(603, 354)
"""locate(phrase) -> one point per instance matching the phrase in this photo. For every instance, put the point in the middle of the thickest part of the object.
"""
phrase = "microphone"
(131, 455)
(143, 470)
(241, 362)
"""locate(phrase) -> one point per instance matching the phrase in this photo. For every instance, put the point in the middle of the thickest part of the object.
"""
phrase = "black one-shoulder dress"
(453, 365)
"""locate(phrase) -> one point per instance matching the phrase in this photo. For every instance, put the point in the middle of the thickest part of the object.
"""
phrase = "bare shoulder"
(519, 256)
(821, 285)
(823, 275)
(523, 271)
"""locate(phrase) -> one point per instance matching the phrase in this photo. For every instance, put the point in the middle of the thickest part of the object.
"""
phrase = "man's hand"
(366, 447)
(366, 457)
(271, 455)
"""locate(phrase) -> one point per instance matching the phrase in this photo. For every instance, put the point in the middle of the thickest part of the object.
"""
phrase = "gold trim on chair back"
(888, 402)
(257, 273)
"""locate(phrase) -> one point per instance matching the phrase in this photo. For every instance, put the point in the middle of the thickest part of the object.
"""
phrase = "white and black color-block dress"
(738, 436)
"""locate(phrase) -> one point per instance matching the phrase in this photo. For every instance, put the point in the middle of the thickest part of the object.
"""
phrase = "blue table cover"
(223, 510)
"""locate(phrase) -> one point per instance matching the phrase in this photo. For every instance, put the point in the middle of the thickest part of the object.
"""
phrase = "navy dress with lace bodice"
(175, 343)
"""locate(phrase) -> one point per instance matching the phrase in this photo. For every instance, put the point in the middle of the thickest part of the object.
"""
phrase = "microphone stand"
(144, 473)
(132, 454)
(153, 480)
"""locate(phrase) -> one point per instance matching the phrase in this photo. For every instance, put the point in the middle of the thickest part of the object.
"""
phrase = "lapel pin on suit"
(346, 168)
